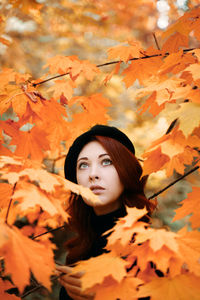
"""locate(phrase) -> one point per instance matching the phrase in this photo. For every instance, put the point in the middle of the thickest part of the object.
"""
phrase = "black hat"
(82, 140)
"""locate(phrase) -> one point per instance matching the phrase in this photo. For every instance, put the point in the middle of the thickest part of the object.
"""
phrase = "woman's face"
(96, 171)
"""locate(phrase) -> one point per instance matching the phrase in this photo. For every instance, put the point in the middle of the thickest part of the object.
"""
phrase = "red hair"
(130, 172)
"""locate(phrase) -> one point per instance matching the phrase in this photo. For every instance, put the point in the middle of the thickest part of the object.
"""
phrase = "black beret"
(83, 139)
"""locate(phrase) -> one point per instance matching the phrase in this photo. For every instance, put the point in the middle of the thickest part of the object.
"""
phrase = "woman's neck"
(106, 209)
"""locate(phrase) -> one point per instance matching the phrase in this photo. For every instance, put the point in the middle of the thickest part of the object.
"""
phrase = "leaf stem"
(156, 41)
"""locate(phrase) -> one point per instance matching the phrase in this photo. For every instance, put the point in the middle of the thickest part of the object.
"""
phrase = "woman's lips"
(96, 189)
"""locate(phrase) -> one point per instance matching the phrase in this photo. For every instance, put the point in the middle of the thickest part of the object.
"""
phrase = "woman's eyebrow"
(82, 158)
(103, 155)
(86, 158)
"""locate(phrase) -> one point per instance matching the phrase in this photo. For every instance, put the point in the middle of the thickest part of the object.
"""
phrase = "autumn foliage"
(143, 261)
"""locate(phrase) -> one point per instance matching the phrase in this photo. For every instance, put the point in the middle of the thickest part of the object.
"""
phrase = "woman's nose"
(93, 173)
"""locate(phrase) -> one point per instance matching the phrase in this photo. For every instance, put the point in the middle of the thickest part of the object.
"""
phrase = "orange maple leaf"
(95, 274)
(152, 105)
(125, 52)
(174, 42)
(62, 87)
(6, 193)
(158, 238)
(6, 285)
(183, 113)
(141, 69)
(60, 64)
(190, 205)
(189, 249)
(112, 290)
(174, 153)
(145, 254)
(182, 287)
(155, 161)
(31, 143)
(18, 96)
(28, 196)
(22, 255)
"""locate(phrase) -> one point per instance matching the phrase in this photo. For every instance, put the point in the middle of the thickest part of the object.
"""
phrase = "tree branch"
(10, 202)
(112, 63)
(51, 230)
(172, 183)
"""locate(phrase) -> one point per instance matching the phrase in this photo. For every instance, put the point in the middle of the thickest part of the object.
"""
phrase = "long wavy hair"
(130, 172)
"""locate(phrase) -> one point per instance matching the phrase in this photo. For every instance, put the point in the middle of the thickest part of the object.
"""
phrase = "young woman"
(102, 159)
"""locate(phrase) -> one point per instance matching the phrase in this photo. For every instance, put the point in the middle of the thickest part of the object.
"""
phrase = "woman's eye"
(107, 162)
(83, 165)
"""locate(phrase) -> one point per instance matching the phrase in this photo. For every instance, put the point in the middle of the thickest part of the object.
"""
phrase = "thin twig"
(51, 230)
(156, 41)
(10, 202)
(172, 183)
(32, 290)
(48, 79)
(111, 63)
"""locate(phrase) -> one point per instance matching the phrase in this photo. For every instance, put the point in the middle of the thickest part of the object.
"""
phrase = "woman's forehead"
(93, 148)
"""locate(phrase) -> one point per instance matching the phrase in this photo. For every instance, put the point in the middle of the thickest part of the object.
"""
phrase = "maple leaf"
(95, 274)
(166, 90)
(141, 70)
(22, 255)
(53, 123)
(184, 25)
(155, 161)
(181, 287)
(174, 42)
(6, 285)
(112, 290)
(60, 64)
(18, 96)
(145, 254)
(174, 152)
(62, 87)
(86, 193)
(125, 52)
(190, 205)
(151, 103)
(184, 113)
(170, 62)
(7, 160)
(189, 249)
(194, 70)
(7, 75)
(194, 96)
(158, 238)
(89, 117)
(88, 69)
(6, 193)
(124, 230)
(31, 143)
(28, 195)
